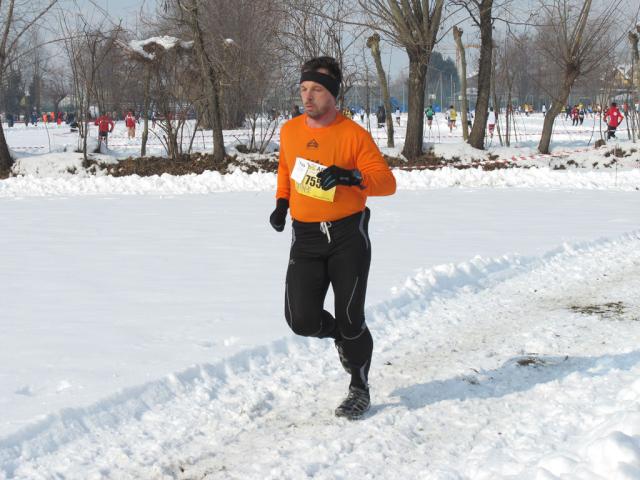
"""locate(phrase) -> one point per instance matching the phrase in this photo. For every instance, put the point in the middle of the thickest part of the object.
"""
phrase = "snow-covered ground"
(572, 147)
(142, 332)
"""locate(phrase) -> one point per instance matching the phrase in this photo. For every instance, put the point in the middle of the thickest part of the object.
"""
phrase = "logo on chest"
(312, 144)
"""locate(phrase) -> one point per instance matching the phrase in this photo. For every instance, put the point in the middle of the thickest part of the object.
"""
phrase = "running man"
(328, 167)
(453, 115)
(614, 118)
(105, 127)
(429, 113)
(491, 121)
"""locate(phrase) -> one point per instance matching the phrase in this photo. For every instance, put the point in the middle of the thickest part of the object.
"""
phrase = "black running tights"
(336, 253)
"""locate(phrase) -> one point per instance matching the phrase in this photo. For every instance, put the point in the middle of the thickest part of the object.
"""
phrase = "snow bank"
(211, 182)
(521, 178)
(208, 182)
(611, 450)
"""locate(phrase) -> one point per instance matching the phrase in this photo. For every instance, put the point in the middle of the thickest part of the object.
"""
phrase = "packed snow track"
(509, 368)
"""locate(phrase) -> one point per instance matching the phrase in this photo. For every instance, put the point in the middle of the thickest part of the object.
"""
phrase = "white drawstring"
(324, 228)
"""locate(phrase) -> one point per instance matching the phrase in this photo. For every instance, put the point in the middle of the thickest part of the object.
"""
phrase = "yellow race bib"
(305, 176)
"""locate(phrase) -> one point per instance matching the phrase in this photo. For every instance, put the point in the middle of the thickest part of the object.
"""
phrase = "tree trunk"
(478, 132)
(635, 56)
(216, 121)
(5, 158)
(457, 36)
(202, 111)
(172, 139)
(367, 110)
(145, 128)
(210, 78)
(373, 42)
(508, 111)
(415, 126)
(496, 104)
(85, 121)
(556, 107)
(571, 72)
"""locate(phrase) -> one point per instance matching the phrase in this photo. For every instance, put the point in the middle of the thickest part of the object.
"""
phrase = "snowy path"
(450, 399)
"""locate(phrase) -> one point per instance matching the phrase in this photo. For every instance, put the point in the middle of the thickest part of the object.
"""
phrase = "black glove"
(279, 216)
(332, 176)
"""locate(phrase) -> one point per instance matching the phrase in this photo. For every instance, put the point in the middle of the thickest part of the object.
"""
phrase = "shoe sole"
(356, 416)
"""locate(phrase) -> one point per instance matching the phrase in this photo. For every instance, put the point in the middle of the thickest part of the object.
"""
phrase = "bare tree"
(114, 85)
(144, 54)
(576, 43)
(505, 75)
(249, 57)
(373, 43)
(168, 65)
(88, 46)
(209, 72)
(17, 17)
(189, 16)
(57, 86)
(37, 60)
(313, 29)
(414, 26)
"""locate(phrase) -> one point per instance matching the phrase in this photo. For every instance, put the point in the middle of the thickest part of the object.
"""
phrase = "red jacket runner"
(613, 117)
(105, 124)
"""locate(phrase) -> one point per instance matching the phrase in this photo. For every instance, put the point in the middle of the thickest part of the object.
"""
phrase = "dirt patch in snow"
(534, 360)
(606, 311)
(429, 161)
(196, 163)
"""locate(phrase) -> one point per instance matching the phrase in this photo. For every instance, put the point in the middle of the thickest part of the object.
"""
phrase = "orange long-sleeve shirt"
(342, 143)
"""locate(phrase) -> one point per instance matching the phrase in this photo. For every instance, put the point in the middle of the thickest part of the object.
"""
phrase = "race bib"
(304, 175)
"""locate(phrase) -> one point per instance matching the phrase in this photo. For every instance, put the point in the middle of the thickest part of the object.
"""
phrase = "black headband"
(327, 81)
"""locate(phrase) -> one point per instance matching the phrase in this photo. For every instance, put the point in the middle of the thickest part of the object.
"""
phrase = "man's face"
(316, 99)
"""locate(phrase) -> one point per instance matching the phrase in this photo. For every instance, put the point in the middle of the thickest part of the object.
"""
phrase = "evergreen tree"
(11, 92)
(444, 69)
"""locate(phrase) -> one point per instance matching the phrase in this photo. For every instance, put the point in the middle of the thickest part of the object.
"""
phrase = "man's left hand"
(332, 176)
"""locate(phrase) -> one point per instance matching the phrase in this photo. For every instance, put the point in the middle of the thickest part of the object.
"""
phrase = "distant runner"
(105, 127)
(614, 118)
(429, 113)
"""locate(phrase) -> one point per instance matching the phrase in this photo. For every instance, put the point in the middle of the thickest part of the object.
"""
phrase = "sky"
(125, 8)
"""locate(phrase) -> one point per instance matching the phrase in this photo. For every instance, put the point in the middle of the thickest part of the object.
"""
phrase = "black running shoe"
(355, 405)
(343, 359)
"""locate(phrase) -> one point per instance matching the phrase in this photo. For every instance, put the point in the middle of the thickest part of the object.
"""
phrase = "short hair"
(614, 104)
(327, 63)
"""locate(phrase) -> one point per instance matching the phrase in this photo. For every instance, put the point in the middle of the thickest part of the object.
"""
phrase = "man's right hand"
(278, 217)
